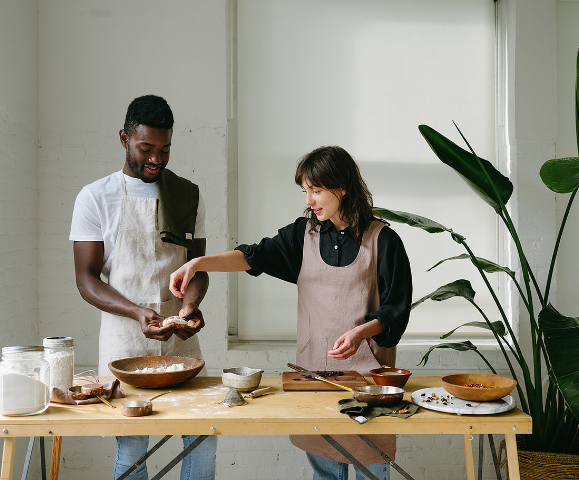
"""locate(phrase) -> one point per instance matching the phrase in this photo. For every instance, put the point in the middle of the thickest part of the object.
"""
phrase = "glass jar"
(59, 353)
(24, 377)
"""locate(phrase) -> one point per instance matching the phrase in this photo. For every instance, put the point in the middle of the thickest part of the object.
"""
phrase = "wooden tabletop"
(194, 408)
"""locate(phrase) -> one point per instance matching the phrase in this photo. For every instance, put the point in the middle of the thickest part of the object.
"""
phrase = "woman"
(354, 288)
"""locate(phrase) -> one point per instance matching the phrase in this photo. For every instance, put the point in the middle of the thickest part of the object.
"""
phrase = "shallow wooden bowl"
(124, 370)
(390, 376)
(494, 386)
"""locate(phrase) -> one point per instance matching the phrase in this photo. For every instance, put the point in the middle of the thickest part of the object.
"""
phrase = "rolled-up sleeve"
(395, 288)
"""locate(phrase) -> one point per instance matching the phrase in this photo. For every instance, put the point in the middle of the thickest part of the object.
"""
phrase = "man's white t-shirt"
(97, 212)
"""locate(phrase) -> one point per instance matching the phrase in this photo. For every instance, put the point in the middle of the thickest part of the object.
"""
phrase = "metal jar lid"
(9, 350)
(55, 342)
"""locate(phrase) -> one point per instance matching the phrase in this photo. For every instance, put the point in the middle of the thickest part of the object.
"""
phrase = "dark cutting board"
(294, 381)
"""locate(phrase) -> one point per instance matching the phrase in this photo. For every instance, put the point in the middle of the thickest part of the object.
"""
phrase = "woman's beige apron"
(331, 301)
(140, 270)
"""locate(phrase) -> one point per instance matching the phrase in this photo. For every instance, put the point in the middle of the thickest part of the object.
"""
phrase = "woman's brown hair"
(333, 168)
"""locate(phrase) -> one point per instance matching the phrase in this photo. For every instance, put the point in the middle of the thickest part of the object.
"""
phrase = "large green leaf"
(460, 347)
(498, 326)
(561, 174)
(417, 221)
(467, 166)
(486, 265)
(458, 288)
(561, 335)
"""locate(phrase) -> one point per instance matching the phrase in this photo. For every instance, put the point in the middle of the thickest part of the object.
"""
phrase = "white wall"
(567, 44)
(19, 177)
(19, 167)
(93, 58)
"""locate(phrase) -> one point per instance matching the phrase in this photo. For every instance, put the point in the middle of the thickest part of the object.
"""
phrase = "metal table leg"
(347, 454)
(494, 454)
(144, 457)
(27, 459)
(42, 459)
(495, 458)
(386, 457)
(179, 457)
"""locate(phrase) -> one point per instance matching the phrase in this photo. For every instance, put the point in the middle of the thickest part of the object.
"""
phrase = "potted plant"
(554, 348)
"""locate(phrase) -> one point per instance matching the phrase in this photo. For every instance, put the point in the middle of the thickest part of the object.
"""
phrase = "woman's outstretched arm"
(233, 261)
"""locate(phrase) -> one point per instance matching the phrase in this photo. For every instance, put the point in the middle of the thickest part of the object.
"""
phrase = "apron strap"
(123, 185)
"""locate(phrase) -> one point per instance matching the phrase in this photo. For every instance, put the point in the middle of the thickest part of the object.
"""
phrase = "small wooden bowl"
(124, 370)
(493, 386)
(390, 376)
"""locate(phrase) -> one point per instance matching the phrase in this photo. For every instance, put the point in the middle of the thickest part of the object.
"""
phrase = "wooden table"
(193, 409)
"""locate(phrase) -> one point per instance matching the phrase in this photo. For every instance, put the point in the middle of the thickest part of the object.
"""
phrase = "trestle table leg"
(513, 457)
(8, 458)
(55, 459)
(468, 457)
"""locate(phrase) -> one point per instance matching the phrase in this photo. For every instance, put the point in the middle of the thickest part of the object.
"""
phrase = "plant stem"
(504, 214)
(556, 249)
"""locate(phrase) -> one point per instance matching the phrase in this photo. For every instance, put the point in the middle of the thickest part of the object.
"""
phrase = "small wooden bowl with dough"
(125, 370)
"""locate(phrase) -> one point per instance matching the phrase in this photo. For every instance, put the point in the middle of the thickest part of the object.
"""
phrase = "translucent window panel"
(363, 75)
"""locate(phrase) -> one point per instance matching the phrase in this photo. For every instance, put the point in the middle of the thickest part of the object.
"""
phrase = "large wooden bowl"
(493, 386)
(124, 370)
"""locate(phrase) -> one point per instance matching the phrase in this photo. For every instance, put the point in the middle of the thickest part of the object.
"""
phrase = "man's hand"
(195, 321)
(150, 325)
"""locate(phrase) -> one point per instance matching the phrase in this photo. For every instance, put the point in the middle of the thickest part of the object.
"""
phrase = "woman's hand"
(347, 345)
(180, 278)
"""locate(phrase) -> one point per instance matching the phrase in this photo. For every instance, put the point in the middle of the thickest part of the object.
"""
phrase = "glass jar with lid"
(59, 353)
(24, 378)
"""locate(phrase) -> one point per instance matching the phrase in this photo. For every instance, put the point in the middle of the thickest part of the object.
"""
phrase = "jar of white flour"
(24, 377)
(60, 355)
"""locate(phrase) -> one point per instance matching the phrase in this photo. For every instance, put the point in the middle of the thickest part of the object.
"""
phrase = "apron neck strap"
(123, 185)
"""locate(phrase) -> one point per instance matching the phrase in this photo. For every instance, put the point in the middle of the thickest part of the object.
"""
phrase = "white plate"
(459, 406)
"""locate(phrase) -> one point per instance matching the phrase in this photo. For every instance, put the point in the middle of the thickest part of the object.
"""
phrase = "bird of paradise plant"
(554, 337)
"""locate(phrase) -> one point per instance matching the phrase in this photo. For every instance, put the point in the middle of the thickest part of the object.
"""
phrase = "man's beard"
(139, 172)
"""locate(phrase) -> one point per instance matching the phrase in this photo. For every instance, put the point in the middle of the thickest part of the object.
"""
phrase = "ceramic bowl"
(390, 376)
(478, 387)
(243, 379)
(125, 370)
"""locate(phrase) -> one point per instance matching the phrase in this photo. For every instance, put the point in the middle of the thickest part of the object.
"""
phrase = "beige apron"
(331, 301)
(140, 270)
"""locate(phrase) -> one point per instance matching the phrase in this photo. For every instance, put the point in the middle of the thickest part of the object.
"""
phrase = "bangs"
(317, 173)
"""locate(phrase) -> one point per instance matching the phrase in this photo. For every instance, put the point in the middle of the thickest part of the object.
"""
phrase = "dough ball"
(174, 320)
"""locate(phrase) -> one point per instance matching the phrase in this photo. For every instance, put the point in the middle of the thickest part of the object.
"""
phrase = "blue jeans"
(325, 469)
(198, 465)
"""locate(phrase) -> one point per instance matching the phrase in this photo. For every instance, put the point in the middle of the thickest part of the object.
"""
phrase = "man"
(116, 227)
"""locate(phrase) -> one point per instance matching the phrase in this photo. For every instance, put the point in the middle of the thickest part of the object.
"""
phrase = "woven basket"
(541, 465)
